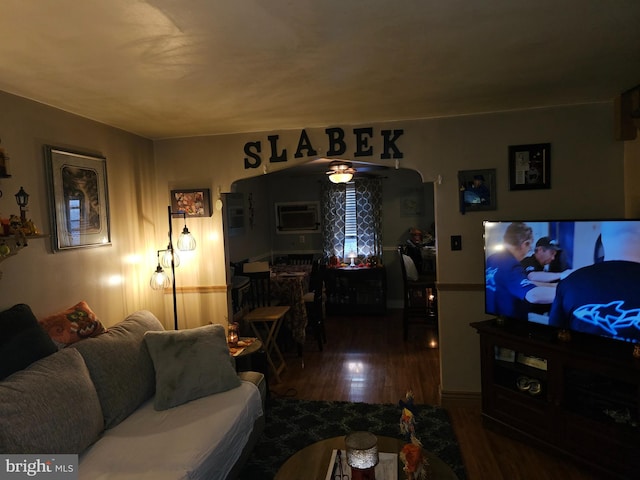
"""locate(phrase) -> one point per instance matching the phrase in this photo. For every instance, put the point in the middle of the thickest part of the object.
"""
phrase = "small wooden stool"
(269, 320)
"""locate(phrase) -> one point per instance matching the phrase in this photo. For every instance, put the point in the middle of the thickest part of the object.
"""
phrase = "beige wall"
(632, 177)
(587, 170)
(112, 279)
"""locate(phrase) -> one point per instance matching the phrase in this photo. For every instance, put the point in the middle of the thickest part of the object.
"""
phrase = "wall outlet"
(456, 242)
(301, 238)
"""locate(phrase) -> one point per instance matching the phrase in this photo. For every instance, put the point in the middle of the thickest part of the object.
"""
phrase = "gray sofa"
(137, 402)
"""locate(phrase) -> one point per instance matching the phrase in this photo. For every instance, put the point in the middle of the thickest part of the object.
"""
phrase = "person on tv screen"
(547, 262)
(508, 290)
(604, 298)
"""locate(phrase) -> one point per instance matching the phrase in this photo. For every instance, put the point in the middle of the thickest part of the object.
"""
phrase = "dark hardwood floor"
(365, 360)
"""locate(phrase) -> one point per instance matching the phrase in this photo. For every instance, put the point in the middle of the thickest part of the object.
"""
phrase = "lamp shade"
(160, 279)
(186, 242)
(166, 257)
(22, 198)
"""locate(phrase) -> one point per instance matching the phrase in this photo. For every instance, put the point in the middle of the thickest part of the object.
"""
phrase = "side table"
(265, 323)
(252, 358)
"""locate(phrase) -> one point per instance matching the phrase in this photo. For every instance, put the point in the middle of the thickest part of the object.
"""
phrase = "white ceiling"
(170, 68)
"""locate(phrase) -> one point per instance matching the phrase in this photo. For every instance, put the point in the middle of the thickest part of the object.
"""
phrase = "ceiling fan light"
(340, 177)
(340, 171)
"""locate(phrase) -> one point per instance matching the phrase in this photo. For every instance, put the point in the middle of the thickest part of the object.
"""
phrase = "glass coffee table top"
(312, 462)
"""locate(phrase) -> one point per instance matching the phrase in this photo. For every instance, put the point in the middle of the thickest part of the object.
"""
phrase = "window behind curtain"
(352, 218)
(350, 221)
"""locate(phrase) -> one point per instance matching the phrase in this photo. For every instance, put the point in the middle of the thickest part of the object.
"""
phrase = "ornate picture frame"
(530, 166)
(477, 190)
(78, 199)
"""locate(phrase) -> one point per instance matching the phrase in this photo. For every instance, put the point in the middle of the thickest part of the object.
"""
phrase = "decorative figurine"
(407, 419)
(411, 455)
(415, 463)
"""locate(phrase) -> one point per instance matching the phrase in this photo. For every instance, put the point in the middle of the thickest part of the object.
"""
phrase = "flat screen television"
(577, 275)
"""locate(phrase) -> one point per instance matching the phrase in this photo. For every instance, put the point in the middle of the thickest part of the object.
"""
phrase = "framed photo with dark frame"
(194, 202)
(477, 190)
(78, 199)
(529, 166)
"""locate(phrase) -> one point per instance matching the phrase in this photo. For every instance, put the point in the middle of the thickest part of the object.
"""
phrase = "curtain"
(368, 213)
(333, 211)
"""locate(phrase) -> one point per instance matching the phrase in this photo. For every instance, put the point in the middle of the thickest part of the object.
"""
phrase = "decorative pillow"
(22, 340)
(72, 324)
(120, 365)
(190, 364)
(410, 267)
(49, 407)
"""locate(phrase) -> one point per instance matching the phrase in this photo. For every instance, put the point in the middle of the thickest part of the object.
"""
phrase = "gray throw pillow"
(190, 364)
(120, 365)
(50, 407)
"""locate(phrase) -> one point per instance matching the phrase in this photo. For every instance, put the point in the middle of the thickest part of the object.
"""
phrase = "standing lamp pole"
(160, 280)
(173, 271)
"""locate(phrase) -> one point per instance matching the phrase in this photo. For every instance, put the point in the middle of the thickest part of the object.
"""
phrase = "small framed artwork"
(78, 199)
(529, 166)
(477, 190)
(195, 202)
(412, 203)
(234, 212)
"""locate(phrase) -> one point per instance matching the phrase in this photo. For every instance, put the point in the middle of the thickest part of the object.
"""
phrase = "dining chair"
(314, 301)
(418, 294)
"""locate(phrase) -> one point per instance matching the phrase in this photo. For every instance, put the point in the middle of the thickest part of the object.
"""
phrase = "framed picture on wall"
(477, 190)
(412, 203)
(529, 166)
(234, 213)
(195, 202)
(78, 198)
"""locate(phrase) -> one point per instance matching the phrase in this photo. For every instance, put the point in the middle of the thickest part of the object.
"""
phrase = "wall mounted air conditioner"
(298, 217)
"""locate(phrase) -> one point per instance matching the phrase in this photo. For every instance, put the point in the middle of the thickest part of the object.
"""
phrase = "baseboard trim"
(460, 399)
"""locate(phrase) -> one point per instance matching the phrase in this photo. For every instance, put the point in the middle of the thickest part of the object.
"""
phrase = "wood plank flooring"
(365, 360)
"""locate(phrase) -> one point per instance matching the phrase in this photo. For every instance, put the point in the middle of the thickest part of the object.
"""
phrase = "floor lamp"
(160, 280)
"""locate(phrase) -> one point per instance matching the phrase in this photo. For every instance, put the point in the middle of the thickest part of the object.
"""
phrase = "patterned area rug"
(294, 424)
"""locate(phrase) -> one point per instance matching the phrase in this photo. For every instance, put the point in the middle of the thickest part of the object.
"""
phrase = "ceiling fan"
(340, 171)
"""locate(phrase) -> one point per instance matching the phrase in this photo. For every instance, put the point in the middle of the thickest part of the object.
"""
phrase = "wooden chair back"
(300, 258)
(259, 294)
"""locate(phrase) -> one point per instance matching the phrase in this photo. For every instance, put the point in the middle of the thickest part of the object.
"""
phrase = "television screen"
(578, 275)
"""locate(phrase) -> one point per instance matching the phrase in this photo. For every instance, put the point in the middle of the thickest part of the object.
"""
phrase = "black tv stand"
(580, 398)
(530, 330)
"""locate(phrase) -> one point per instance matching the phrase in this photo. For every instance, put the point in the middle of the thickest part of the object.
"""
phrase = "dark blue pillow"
(22, 340)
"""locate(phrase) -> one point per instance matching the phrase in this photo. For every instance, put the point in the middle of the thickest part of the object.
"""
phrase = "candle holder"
(362, 455)
(232, 336)
(431, 302)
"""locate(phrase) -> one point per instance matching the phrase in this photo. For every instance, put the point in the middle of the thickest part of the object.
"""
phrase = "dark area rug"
(294, 424)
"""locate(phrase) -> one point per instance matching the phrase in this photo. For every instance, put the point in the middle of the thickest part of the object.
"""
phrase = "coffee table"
(312, 462)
